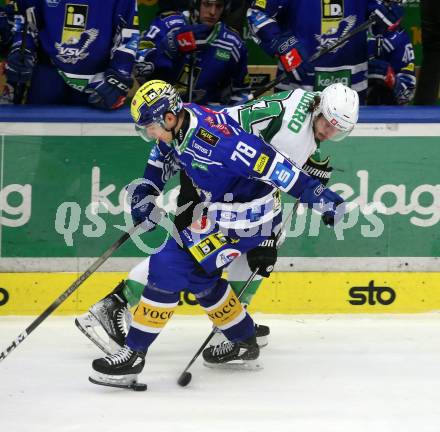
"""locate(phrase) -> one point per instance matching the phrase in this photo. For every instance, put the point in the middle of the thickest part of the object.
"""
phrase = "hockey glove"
(190, 38)
(19, 66)
(405, 88)
(111, 92)
(389, 13)
(293, 57)
(324, 201)
(263, 257)
(381, 70)
(319, 170)
(144, 210)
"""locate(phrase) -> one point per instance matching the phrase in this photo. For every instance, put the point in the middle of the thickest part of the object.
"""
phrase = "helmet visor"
(150, 132)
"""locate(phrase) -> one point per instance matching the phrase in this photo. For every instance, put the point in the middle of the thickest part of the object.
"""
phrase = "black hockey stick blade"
(75, 285)
(136, 386)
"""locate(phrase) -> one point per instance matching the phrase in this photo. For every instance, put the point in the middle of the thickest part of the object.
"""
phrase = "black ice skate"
(261, 332)
(106, 323)
(120, 370)
(233, 355)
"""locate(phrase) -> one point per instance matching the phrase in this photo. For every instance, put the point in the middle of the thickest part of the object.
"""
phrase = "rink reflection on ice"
(321, 373)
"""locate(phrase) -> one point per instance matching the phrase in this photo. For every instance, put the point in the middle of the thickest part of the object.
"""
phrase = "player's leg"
(107, 321)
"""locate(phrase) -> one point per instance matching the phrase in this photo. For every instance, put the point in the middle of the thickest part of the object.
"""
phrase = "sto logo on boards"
(372, 295)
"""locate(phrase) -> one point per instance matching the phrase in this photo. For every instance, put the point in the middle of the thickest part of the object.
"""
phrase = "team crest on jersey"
(329, 37)
(76, 49)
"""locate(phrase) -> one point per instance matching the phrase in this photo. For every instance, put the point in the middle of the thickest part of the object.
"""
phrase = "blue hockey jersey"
(220, 72)
(317, 23)
(224, 163)
(82, 38)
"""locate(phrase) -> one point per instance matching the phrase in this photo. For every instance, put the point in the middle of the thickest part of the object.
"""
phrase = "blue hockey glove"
(190, 38)
(144, 210)
(404, 88)
(389, 14)
(111, 92)
(19, 66)
(382, 70)
(319, 170)
(293, 57)
(324, 201)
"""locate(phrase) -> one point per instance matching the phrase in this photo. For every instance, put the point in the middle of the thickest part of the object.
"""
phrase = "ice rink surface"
(321, 374)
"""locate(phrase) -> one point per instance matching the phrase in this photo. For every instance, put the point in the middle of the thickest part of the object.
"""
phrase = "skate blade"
(262, 341)
(128, 382)
(247, 365)
(90, 326)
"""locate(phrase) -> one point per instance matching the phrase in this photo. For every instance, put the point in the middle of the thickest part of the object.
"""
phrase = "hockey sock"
(132, 291)
(150, 317)
(249, 292)
(227, 313)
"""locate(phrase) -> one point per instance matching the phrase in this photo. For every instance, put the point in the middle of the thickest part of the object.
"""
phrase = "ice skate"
(261, 332)
(119, 370)
(233, 355)
(106, 323)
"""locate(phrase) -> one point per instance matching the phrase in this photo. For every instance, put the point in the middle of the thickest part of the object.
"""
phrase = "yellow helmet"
(154, 99)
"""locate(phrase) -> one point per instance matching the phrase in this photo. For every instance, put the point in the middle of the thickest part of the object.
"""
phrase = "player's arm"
(240, 82)
(252, 157)
(153, 52)
(142, 193)
(262, 19)
(22, 56)
(402, 62)
(110, 89)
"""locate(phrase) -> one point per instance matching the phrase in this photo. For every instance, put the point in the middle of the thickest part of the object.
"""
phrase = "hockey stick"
(20, 87)
(191, 78)
(317, 55)
(95, 265)
(185, 377)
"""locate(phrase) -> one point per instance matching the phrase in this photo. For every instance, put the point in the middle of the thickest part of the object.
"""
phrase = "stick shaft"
(75, 285)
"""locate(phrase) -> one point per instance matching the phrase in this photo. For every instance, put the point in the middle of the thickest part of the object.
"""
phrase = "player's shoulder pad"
(172, 19)
(232, 36)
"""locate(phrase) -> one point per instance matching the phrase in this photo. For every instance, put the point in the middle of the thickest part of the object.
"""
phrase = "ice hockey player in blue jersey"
(293, 30)
(237, 177)
(391, 71)
(197, 51)
(74, 53)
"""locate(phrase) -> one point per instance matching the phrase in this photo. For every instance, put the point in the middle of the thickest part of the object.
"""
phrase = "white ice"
(321, 373)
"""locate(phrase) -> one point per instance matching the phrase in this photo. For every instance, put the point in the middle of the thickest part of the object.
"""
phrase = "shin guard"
(150, 317)
(227, 313)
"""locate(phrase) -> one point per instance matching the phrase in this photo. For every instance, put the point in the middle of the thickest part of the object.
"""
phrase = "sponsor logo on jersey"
(261, 3)
(324, 78)
(223, 128)
(53, 3)
(222, 55)
(261, 163)
(76, 47)
(207, 246)
(282, 175)
(75, 22)
(332, 13)
(199, 165)
(207, 137)
(226, 256)
(201, 149)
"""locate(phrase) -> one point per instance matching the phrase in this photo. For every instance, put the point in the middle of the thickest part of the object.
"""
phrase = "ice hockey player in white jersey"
(294, 122)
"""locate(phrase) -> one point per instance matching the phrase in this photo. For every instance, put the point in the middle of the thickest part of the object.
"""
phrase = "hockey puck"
(184, 379)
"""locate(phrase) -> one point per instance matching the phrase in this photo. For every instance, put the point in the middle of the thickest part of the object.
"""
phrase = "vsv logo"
(372, 294)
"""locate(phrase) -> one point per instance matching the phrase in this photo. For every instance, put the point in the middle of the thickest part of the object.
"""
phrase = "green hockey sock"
(133, 291)
(249, 292)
